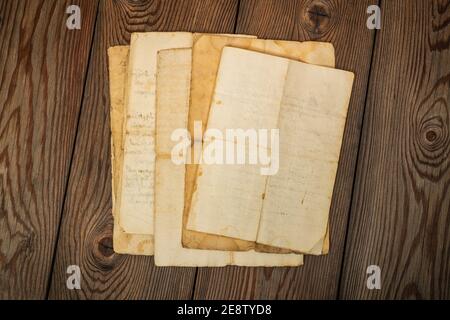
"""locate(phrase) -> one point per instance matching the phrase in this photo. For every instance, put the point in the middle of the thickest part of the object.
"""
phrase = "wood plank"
(400, 218)
(42, 70)
(86, 231)
(344, 24)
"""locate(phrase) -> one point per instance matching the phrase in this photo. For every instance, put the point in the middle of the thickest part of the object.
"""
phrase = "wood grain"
(85, 238)
(42, 70)
(344, 24)
(400, 218)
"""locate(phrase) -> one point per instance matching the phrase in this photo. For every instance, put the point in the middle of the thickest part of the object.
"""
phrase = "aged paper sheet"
(271, 83)
(131, 243)
(137, 203)
(206, 57)
(246, 96)
(172, 106)
(122, 242)
(137, 207)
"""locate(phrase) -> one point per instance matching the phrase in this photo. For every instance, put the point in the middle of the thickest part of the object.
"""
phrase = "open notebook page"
(206, 57)
(248, 91)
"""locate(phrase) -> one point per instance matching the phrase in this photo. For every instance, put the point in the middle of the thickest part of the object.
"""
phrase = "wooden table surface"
(391, 202)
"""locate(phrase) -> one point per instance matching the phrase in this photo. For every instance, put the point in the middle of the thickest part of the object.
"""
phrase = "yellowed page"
(262, 259)
(312, 119)
(238, 90)
(197, 35)
(122, 242)
(137, 204)
(172, 104)
(206, 57)
(228, 198)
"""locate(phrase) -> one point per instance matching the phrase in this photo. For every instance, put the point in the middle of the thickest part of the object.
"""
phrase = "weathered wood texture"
(86, 230)
(42, 71)
(341, 23)
(400, 212)
(400, 218)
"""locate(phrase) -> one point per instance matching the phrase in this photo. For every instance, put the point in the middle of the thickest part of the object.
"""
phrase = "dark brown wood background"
(391, 203)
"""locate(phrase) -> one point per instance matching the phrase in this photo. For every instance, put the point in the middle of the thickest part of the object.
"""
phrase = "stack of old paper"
(186, 186)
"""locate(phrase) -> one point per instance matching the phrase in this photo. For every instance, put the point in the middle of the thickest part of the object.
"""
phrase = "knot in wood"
(433, 134)
(432, 137)
(105, 246)
(316, 17)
